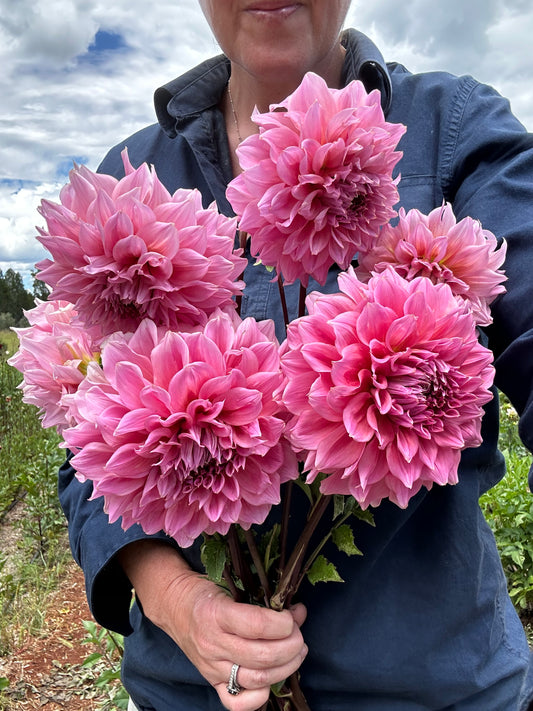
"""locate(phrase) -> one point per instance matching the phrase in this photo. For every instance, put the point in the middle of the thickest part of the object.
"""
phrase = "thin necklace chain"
(235, 119)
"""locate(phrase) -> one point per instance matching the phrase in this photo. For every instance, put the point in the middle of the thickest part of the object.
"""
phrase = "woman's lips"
(267, 9)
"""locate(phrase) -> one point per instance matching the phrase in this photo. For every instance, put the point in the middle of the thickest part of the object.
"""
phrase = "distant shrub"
(508, 508)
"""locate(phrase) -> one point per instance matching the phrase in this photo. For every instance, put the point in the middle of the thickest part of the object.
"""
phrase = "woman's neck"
(246, 92)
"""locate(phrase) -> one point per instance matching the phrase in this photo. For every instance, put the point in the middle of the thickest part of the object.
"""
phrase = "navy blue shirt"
(423, 621)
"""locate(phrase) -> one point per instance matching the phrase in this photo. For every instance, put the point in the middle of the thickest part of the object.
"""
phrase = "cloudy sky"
(78, 76)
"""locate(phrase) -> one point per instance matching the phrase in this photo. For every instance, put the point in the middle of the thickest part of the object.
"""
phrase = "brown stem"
(250, 540)
(235, 592)
(240, 567)
(283, 301)
(301, 303)
(298, 699)
(286, 586)
(284, 530)
(311, 559)
(242, 237)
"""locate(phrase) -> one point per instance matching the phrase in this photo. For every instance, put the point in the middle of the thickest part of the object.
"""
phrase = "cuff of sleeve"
(109, 591)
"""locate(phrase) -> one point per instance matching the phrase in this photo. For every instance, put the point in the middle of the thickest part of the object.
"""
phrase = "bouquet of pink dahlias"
(317, 180)
(124, 250)
(54, 354)
(189, 420)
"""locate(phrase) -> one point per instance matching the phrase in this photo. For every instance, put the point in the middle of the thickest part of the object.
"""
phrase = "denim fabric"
(423, 621)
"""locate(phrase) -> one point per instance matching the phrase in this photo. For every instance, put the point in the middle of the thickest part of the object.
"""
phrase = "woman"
(423, 620)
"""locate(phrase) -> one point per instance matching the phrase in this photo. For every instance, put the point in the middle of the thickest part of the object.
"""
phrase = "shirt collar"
(201, 88)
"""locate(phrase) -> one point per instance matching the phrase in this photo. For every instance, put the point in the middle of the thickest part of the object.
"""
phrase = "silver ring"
(232, 687)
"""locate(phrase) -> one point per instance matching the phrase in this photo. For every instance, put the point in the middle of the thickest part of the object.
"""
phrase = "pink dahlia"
(317, 179)
(53, 356)
(386, 382)
(461, 254)
(124, 250)
(180, 431)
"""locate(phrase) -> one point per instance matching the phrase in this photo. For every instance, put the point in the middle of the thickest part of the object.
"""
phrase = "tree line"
(15, 298)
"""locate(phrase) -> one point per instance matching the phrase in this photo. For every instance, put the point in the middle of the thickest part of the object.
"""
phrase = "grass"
(29, 458)
(36, 560)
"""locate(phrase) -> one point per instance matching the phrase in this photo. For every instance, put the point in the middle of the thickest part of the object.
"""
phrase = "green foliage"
(105, 662)
(344, 539)
(214, 557)
(322, 571)
(508, 508)
(29, 454)
(13, 296)
(29, 459)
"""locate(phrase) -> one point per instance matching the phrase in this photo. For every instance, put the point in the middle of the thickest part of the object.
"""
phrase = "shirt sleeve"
(488, 174)
(95, 543)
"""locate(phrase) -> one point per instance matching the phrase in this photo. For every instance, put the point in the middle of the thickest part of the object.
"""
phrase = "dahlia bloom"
(124, 250)
(180, 432)
(461, 254)
(317, 179)
(53, 356)
(386, 382)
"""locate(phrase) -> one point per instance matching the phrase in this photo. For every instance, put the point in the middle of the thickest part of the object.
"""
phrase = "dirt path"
(45, 671)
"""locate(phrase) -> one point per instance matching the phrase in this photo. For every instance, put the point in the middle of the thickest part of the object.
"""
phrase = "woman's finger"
(258, 678)
(254, 622)
(246, 700)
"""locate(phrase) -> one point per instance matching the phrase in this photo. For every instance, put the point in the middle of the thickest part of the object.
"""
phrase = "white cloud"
(62, 102)
(490, 39)
(19, 219)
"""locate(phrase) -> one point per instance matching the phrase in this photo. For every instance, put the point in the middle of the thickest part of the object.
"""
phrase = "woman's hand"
(214, 631)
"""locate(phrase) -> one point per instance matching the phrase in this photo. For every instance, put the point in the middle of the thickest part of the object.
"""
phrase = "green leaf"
(338, 505)
(91, 659)
(277, 690)
(214, 557)
(4, 683)
(365, 515)
(322, 571)
(343, 538)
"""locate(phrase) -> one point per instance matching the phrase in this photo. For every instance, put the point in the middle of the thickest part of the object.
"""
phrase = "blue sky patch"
(104, 44)
(65, 166)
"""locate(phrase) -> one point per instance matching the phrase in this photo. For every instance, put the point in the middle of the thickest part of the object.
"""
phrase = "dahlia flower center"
(357, 203)
(115, 305)
(210, 475)
(435, 391)
(419, 399)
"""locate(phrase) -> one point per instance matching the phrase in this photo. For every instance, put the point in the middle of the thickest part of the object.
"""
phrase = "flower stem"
(298, 699)
(283, 301)
(301, 303)
(285, 516)
(311, 559)
(260, 568)
(291, 573)
(242, 237)
(240, 567)
(235, 592)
